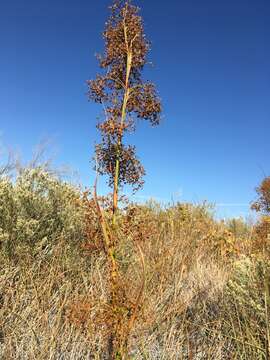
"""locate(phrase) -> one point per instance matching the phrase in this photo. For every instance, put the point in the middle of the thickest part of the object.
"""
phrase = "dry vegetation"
(88, 277)
(206, 293)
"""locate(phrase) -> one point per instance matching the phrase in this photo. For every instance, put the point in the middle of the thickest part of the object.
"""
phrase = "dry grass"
(206, 292)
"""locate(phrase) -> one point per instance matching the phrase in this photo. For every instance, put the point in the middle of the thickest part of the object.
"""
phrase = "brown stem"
(110, 253)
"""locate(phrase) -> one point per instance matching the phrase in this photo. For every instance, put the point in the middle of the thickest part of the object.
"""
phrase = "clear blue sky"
(212, 69)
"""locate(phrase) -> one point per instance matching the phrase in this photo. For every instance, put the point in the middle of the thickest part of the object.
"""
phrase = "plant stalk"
(120, 136)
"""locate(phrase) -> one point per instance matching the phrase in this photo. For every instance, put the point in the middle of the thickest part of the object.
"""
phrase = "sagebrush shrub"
(36, 210)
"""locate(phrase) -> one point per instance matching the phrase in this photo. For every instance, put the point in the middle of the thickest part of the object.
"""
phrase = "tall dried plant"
(125, 97)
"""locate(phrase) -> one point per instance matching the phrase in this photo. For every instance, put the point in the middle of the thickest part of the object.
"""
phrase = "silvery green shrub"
(36, 210)
(248, 306)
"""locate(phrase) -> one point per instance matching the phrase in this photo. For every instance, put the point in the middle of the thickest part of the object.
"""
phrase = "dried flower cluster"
(124, 95)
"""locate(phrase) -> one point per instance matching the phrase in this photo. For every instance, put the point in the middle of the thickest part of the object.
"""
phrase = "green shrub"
(247, 304)
(36, 210)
